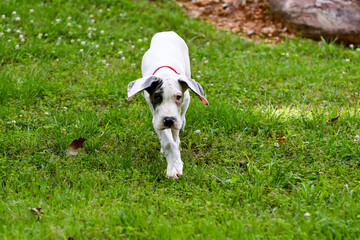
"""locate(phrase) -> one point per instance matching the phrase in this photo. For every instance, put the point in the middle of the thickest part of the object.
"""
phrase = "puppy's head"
(166, 97)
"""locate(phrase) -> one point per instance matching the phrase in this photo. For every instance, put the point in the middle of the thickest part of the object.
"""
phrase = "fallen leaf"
(334, 119)
(37, 211)
(246, 158)
(75, 147)
(281, 139)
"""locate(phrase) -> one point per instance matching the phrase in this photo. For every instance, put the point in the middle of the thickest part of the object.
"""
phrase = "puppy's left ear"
(195, 87)
(146, 83)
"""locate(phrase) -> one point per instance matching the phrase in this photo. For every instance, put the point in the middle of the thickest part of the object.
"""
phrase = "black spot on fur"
(156, 97)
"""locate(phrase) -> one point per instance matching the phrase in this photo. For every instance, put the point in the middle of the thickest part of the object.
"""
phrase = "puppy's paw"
(175, 171)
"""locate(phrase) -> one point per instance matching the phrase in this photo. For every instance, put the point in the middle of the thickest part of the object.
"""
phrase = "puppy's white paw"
(175, 170)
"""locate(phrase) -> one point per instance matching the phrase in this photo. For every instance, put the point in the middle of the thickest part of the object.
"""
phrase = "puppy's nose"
(169, 121)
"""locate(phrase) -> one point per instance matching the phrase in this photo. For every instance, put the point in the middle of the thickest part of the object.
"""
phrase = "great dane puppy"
(166, 79)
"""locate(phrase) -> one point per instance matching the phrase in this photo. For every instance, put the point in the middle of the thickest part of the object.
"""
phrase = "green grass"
(51, 93)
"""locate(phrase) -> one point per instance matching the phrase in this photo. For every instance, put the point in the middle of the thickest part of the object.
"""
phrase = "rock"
(321, 18)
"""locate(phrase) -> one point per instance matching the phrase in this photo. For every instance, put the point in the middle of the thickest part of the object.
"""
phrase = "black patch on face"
(153, 87)
(156, 97)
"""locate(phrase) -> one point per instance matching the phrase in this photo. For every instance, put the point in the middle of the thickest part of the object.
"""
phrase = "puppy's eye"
(157, 97)
(178, 97)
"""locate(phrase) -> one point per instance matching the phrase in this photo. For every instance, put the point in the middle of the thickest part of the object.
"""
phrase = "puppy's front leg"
(172, 153)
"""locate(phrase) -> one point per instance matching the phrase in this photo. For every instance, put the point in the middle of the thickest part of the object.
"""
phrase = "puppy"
(166, 79)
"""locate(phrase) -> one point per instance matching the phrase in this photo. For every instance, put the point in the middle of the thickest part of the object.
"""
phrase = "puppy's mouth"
(172, 127)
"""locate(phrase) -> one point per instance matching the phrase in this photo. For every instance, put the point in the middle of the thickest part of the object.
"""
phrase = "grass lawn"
(64, 70)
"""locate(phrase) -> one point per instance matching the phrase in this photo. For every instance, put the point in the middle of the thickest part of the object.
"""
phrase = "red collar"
(164, 67)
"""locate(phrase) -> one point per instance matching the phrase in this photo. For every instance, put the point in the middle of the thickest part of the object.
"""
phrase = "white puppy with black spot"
(166, 79)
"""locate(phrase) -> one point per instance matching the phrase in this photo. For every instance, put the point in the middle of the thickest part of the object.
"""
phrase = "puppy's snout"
(169, 121)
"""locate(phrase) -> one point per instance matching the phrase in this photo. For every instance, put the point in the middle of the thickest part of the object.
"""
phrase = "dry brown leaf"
(334, 119)
(75, 147)
(246, 158)
(37, 211)
(281, 139)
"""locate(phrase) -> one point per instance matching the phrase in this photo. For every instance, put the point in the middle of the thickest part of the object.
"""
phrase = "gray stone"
(330, 19)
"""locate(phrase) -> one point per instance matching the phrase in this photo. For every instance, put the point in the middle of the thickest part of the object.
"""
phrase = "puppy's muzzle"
(169, 121)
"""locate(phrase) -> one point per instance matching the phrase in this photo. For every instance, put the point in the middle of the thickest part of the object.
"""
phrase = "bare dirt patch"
(251, 18)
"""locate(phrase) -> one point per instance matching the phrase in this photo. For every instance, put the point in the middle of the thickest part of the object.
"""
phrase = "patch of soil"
(251, 18)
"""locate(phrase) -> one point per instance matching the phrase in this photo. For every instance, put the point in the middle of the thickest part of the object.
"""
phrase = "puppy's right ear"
(146, 83)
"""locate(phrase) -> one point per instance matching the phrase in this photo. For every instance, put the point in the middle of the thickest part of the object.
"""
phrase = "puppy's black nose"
(169, 121)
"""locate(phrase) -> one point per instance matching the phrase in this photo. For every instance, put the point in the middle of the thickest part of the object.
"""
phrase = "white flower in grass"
(3, 16)
(103, 61)
(351, 46)
(46, 35)
(357, 138)
(197, 131)
(93, 20)
(68, 24)
(112, 43)
(13, 13)
(140, 40)
(31, 21)
(100, 10)
(81, 50)
(21, 36)
(102, 32)
(17, 46)
(46, 113)
(121, 40)
(132, 46)
(1, 34)
(276, 144)
(57, 59)
(108, 9)
(83, 43)
(40, 35)
(59, 38)
(31, 10)
(120, 52)
(307, 214)
(8, 30)
(89, 35)
(347, 60)
(57, 21)
(91, 16)
(17, 19)
(79, 26)
(97, 46)
(79, 40)
(122, 58)
(69, 18)
(133, 64)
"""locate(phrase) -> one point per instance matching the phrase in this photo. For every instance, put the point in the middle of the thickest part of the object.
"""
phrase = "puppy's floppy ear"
(195, 87)
(145, 83)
